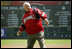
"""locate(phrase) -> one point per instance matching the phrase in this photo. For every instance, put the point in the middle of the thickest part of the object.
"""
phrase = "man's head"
(27, 6)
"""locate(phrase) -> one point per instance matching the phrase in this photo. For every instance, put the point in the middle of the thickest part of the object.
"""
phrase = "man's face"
(26, 7)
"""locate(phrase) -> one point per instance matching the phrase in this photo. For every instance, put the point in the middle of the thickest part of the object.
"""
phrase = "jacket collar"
(28, 11)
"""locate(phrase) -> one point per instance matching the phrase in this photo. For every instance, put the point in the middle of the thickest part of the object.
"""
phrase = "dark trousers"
(32, 39)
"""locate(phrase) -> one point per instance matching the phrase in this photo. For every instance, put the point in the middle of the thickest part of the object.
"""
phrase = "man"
(33, 26)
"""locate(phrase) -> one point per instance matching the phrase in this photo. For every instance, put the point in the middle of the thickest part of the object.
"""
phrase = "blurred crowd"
(10, 3)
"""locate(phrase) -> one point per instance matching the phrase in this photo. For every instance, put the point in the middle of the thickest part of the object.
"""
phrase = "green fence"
(50, 33)
(57, 32)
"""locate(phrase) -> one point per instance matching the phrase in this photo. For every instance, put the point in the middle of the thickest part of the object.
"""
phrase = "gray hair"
(27, 4)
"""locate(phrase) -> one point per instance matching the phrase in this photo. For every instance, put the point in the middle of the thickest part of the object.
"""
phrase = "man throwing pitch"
(33, 26)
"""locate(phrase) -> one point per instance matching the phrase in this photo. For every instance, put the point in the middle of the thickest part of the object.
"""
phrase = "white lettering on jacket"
(43, 14)
(29, 17)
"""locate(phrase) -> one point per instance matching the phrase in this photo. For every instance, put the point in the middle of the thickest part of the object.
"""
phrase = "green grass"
(24, 41)
(13, 41)
(66, 42)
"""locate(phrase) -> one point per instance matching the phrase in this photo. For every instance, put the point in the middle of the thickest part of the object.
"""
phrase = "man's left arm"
(46, 21)
(43, 16)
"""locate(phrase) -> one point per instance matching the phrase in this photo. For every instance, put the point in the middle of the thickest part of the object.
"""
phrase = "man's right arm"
(20, 30)
(19, 33)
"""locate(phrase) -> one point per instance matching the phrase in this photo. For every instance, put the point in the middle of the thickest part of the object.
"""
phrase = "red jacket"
(33, 25)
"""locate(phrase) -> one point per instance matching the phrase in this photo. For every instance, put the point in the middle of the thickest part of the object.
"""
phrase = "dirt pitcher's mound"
(36, 46)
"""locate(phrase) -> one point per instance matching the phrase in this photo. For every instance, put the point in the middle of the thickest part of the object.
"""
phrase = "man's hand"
(46, 22)
(19, 33)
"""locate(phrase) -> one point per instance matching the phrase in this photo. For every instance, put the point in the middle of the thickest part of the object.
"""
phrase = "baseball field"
(22, 43)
